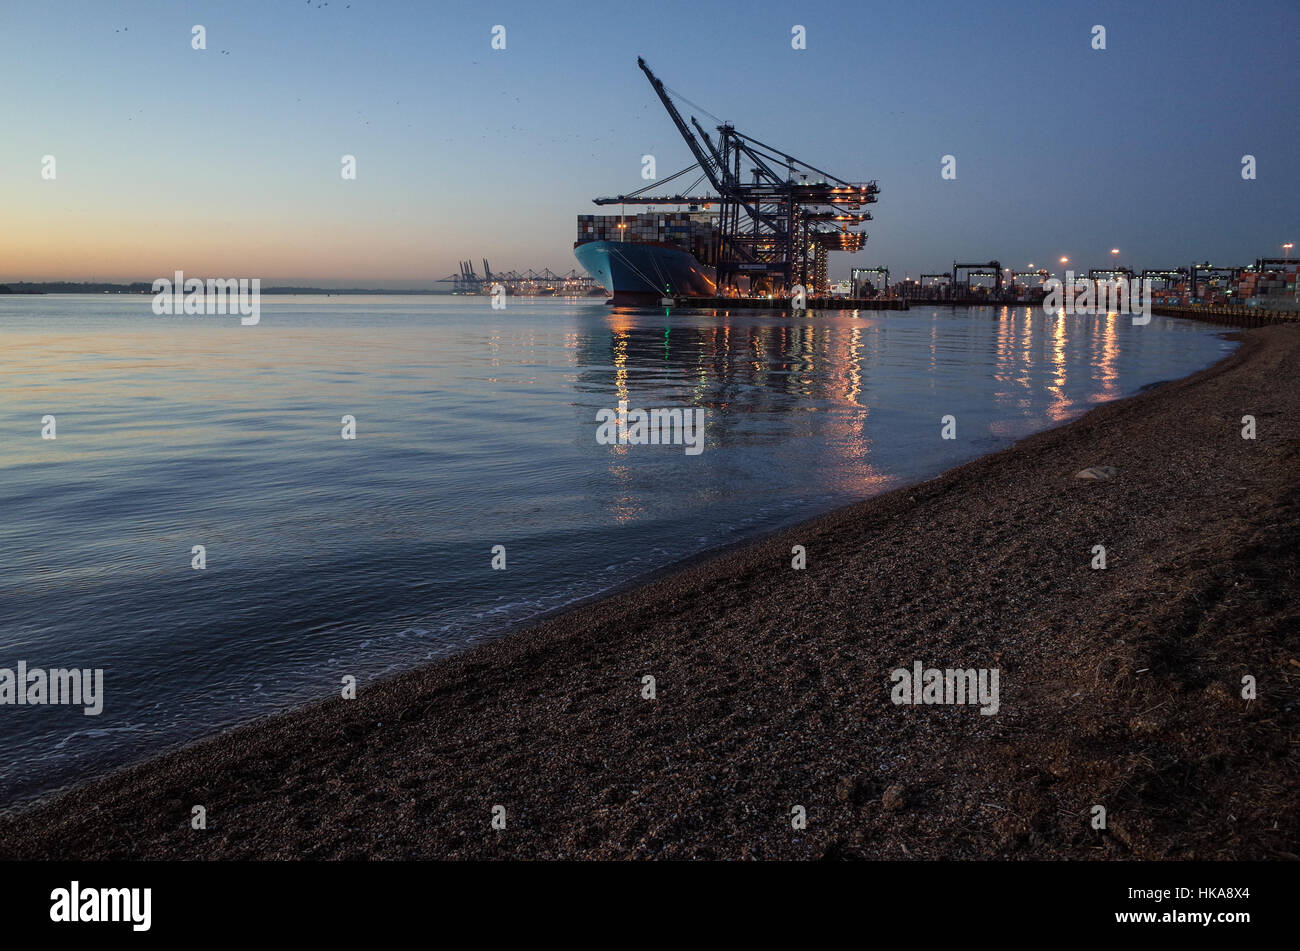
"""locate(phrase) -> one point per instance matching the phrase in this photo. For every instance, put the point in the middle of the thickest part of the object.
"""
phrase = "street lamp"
(1064, 262)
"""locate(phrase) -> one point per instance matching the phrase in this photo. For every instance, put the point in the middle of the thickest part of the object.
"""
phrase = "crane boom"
(700, 155)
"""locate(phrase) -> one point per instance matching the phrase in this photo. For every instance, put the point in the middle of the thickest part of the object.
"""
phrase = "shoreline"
(30, 800)
(772, 684)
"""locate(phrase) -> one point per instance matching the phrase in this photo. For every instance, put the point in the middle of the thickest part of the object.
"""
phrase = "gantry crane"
(858, 278)
(991, 269)
(775, 226)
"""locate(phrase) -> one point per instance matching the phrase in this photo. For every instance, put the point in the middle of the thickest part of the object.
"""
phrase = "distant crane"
(991, 269)
(859, 280)
(544, 283)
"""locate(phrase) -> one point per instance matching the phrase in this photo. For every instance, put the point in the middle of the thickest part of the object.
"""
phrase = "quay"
(1241, 316)
(783, 303)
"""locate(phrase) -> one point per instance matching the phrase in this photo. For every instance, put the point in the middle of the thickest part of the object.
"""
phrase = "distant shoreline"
(139, 287)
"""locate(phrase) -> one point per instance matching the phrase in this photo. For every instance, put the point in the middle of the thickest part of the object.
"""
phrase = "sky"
(227, 161)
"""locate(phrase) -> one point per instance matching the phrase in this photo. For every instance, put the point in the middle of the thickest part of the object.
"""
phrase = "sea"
(475, 494)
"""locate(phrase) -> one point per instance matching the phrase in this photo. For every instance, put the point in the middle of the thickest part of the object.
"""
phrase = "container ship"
(645, 257)
(763, 227)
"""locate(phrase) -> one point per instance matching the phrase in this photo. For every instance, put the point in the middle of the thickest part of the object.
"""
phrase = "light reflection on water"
(475, 427)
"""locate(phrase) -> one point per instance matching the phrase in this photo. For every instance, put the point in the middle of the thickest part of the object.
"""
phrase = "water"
(475, 428)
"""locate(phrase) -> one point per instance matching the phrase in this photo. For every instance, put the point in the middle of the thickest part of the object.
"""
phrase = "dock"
(1219, 314)
(783, 303)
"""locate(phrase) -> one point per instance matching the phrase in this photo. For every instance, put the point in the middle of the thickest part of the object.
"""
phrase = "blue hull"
(635, 272)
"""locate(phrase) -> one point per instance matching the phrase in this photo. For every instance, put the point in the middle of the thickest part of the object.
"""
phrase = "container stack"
(1274, 288)
(691, 231)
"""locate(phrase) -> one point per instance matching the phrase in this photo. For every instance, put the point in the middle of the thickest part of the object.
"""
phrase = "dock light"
(1286, 251)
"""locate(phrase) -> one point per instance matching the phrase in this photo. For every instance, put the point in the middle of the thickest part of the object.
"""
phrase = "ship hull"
(635, 272)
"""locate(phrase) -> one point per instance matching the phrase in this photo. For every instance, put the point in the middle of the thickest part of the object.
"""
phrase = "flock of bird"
(514, 128)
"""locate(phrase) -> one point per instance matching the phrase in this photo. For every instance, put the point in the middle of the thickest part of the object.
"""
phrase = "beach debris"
(1219, 692)
(893, 799)
(854, 789)
(1144, 724)
(1097, 473)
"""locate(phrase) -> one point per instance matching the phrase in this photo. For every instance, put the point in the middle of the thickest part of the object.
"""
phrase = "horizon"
(464, 152)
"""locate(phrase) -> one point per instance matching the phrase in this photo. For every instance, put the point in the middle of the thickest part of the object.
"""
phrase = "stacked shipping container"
(1268, 287)
(692, 231)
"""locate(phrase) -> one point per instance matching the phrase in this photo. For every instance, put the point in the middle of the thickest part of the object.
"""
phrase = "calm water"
(476, 427)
